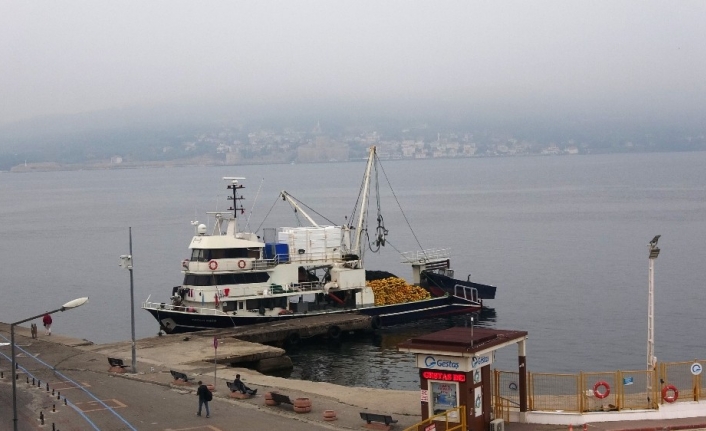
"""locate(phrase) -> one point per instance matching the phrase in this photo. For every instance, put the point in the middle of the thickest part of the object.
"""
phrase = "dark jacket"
(202, 392)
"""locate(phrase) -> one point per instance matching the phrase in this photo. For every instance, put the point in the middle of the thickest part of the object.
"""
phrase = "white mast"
(651, 359)
(361, 218)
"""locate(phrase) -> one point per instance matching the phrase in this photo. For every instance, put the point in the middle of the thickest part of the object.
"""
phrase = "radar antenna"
(235, 186)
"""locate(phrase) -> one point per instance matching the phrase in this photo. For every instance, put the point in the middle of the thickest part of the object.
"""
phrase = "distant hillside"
(217, 134)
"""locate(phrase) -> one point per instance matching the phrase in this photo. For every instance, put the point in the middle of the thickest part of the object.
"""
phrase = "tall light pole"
(126, 262)
(651, 359)
(69, 305)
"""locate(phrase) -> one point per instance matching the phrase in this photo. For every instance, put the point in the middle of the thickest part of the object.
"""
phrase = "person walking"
(46, 320)
(204, 397)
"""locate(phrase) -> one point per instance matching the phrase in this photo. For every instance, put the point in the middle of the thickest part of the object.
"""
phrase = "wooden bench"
(116, 365)
(180, 378)
(382, 422)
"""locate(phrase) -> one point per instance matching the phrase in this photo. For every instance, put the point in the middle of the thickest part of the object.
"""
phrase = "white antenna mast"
(361, 217)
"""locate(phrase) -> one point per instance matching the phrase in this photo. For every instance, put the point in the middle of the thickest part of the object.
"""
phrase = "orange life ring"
(241, 264)
(601, 384)
(212, 265)
(670, 398)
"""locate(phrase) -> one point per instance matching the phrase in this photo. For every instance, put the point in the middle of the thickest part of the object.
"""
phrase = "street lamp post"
(69, 305)
(126, 262)
(651, 359)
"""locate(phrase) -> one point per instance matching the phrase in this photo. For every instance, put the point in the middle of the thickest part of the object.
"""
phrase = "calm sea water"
(564, 239)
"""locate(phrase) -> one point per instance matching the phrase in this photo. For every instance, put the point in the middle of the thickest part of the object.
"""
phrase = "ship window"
(198, 280)
(222, 279)
(204, 255)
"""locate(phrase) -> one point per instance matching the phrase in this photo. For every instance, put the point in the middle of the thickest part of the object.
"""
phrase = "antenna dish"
(201, 229)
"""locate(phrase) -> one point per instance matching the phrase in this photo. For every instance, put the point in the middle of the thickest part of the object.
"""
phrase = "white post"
(651, 359)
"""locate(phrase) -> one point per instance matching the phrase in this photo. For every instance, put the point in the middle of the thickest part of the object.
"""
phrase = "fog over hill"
(248, 82)
(145, 133)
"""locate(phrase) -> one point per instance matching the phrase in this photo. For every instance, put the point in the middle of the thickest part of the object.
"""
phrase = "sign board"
(478, 404)
(425, 396)
(627, 381)
(476, 376)
(440, 362)
(481, 361)
(696, 368)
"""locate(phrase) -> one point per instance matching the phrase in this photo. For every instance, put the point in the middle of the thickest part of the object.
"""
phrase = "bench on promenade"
(280, 398)
(377, 421)
(179, 378)
(116, 365)
(235, 393)
(300, 405)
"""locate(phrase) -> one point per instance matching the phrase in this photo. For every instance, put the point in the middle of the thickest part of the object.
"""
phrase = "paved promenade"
(148, 399)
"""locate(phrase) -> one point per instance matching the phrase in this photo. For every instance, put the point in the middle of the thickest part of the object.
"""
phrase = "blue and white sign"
(627, 381)
(696, 368)
(439, 362)
(481, 361)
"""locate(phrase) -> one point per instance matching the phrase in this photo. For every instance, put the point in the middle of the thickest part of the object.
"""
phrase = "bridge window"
(222, 279)
(204, 255)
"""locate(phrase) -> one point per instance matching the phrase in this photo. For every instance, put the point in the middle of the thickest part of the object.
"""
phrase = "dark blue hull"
(439, 285)
(174, 321)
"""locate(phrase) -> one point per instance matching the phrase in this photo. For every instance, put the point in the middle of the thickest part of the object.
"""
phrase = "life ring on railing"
(185, 263)
(241, 264)
(601, 384)
(212, 265)
(670, 398)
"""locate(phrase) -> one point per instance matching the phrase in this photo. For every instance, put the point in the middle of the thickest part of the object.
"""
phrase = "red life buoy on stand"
(213, 265)
(670, 398)
(606, 389)
(241, 264)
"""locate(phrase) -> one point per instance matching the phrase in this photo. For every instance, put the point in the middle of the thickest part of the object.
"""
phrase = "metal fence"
(450, 420)
(600, 391)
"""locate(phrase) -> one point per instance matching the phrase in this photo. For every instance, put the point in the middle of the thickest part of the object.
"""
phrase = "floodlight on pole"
(651, 359)
(68, 306)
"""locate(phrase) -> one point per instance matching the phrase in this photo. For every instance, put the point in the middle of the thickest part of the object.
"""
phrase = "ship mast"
(361, 217)
(232, 227)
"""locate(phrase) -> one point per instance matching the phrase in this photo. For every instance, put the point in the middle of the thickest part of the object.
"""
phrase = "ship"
(234, 278)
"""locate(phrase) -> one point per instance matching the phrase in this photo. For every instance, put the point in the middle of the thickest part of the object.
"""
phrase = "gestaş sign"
(439, 362)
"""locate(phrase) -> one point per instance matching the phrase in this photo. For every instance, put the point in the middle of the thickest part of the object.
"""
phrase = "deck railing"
(424, 256)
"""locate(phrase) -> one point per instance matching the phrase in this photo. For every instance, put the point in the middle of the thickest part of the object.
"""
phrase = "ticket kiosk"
(454, 370)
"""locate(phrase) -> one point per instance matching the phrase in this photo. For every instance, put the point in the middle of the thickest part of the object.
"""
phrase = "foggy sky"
(642, 57)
